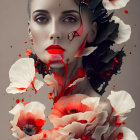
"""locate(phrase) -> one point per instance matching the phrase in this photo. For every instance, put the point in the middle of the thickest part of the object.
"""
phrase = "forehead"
(53, 5)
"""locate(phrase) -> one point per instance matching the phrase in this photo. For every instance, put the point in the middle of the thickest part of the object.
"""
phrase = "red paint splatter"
(25, 42)
(25, 103)
(40, 122)
(120, 136)
(22, 99)
(126, 11)
(45, 135)
(36, 70)
(19, 55)
(115, 59)
(11, 127)
(134, 45)
(130, 52)
(11, 46)
(28, 52)
(17, 101)
(134, 25)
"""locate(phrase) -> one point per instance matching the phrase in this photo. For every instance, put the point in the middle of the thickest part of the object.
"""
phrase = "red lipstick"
(55, 49)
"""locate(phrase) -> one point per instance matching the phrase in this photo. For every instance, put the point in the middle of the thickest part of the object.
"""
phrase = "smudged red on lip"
(55, 49)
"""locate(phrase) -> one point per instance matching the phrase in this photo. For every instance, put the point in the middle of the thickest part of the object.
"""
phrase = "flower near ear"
(28, 121)
(114, 4)
(124, 31)
(93, 117)
(22, 76)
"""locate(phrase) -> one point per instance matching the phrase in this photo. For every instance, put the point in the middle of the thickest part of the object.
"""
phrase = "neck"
(83, 87)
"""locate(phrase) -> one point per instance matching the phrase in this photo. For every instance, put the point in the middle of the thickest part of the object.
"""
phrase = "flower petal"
(21, 74)
(114, 4)
(16, 109)
(87, 51)
(38, 84)
(124, 31)
(121, 101)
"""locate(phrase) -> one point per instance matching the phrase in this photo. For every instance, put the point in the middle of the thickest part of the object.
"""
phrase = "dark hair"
(103, 62)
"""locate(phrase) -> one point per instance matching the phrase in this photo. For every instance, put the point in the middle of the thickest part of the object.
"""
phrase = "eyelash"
(42, 19)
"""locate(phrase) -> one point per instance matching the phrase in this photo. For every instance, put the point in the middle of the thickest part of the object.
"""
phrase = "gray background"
(13, 31)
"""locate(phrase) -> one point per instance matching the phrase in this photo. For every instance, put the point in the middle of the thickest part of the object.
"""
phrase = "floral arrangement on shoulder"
(73, 116)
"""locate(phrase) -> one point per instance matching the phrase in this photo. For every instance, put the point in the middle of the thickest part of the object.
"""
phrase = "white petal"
(16, 109)
(114, 4)
(128, 134)
(15, 135)
(76, 81)
(34, 106)
(124, 31)
(92, 102)
(99, 131)
(38, 84)
(87, 51)
(49, 79)
(121, 101)
(21, 74)
(13, 90)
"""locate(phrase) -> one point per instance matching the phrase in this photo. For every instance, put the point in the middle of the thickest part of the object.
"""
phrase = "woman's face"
(51, 22)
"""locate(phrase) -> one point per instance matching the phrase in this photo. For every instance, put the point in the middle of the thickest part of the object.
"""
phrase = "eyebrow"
(64, 12)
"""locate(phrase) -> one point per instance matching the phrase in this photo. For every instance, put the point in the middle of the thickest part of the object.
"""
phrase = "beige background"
(13, 31)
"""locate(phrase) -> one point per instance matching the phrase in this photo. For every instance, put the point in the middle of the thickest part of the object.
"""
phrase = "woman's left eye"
(70, 20)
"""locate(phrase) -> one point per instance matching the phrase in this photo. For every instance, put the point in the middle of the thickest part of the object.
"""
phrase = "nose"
(54, 32)
(55, 36)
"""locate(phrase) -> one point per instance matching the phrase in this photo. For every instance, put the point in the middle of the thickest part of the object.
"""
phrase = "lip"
(55, 49)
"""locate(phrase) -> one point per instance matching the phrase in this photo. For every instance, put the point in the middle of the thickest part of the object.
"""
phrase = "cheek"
(39, 34)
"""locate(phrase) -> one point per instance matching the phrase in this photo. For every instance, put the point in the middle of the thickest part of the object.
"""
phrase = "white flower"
(93, 117)
(22, 76)
(124, 31)
(114, 4)
(28, 121)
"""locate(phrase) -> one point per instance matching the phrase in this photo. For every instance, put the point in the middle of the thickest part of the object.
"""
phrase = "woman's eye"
(41, 19)
(70, 20)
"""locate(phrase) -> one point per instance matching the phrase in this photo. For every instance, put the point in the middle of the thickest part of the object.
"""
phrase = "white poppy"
(28, 121)
(114, 4)
(22, 76)
(93, 117)
(121, 101)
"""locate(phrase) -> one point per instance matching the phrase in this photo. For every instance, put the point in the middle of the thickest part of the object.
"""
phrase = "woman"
(69, 27)
(69, 38)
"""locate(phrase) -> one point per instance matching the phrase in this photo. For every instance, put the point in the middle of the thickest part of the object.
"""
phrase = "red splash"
(28, 52)
(40, 122)
(17, 101)
(19, 55)
(25, 42)
(80, 50)
(36, 70)
(22, 99)
(120, 136)
(115, 59)
(44, 135)
(11, 127)
(25, 103)
(134, 45)
(130, 52)
(11, 46)
(83, 137)
(126, 11)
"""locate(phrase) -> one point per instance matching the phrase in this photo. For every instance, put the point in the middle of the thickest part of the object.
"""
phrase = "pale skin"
(51, 22)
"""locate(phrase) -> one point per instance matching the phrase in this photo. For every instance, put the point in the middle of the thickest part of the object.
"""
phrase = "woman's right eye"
(41, 19)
